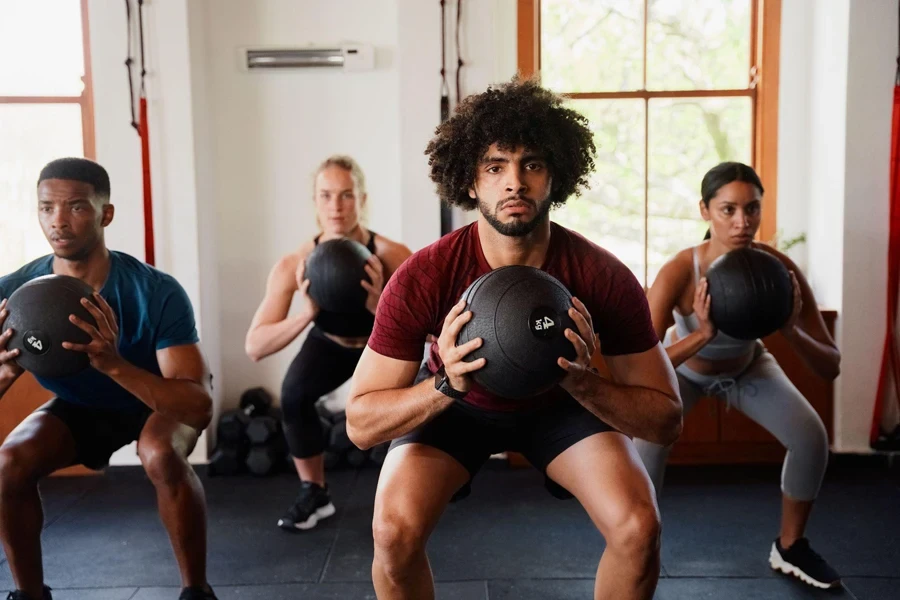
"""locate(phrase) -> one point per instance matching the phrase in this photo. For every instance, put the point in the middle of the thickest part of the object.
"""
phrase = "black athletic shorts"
(471, 435)
(98, 432)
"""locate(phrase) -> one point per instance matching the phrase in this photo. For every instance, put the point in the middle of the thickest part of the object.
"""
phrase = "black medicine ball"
(335, 269)
(521, 314)
(39, 315)
(751, 293)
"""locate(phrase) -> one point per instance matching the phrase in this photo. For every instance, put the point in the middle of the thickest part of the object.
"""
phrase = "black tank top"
(352, 324)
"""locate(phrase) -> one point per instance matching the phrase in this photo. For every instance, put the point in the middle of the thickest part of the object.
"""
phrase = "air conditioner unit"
(347, 57)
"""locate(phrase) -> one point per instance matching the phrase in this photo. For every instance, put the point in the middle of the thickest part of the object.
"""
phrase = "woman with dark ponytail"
(711, 363)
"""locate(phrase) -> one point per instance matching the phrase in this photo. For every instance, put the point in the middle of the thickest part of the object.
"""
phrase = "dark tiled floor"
(509, 540)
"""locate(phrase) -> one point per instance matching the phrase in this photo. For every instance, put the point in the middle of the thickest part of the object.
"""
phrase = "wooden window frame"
(26, 394)
(765, 36)
(85, 99)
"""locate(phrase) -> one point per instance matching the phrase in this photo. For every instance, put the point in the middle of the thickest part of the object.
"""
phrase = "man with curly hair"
(513, 152)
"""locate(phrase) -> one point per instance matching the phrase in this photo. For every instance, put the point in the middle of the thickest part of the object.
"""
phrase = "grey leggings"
(763, 392)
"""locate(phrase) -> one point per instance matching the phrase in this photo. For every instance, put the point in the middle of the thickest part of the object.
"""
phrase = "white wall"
(827, 109)
(794, 124)
(871, 64)
(837, 66)
(118, 144)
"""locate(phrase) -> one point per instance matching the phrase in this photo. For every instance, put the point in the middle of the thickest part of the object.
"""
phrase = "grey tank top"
(722, 346)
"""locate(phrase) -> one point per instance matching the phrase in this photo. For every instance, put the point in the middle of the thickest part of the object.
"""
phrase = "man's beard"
(516, 227)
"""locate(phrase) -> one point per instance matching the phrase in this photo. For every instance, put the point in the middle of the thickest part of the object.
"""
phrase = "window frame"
(85, 99)
(765, 36)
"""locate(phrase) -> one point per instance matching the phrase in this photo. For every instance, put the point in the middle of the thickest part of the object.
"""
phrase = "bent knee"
(808, 436)
(817, 434)
(16, 468)
(398, 538)
(163, 464)
(637, 532)
(298, 407)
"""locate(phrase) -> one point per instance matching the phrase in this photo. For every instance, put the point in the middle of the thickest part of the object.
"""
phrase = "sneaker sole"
(320, 514)
(779, 564)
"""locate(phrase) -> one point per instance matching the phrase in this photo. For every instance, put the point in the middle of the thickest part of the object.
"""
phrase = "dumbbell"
(356, 458)
(262, 429)
(227, 460)
(258, 398)
(265, 459)
(268, 447)
(233, 424)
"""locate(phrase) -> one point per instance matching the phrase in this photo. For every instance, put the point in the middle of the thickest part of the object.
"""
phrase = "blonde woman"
(329, 355)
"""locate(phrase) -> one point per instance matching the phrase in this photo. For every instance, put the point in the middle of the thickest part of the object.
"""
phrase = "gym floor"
(508, 540)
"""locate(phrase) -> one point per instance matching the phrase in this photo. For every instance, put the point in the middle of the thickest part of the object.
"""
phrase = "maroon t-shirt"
(422, 291)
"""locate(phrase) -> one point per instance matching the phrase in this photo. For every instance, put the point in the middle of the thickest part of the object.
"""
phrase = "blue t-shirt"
(153, 312)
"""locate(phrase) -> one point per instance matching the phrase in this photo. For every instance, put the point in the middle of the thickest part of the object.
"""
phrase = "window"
(45, 111)
(671, 88)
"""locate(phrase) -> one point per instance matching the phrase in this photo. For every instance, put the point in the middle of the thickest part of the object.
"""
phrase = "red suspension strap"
(143, 129)
(890, 360)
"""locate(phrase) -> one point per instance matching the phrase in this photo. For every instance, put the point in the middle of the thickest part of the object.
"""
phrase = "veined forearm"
(181, 400)
(381, 416)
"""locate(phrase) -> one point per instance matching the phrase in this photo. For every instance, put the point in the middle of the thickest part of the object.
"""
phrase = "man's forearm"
(639, 412)
(385, 415)
(182, 400)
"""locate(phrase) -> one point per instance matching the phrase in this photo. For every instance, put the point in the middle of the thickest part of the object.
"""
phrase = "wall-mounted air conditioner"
(347, 57)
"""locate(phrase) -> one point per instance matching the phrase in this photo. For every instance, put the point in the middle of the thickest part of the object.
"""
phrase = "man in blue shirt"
(148, 381)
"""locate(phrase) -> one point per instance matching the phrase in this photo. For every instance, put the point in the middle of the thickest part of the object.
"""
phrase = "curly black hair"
(517, 113)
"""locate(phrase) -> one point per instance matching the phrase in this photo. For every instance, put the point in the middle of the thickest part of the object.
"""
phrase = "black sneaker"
(20, 595)
(802, 562)
(311, 506)
(195, 593)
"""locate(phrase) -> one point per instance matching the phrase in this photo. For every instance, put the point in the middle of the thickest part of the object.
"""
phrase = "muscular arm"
(641, 400)
(272, 329)
(809, 336)
(823, 358)
(182, 393)
(382, 406)
(662, 297)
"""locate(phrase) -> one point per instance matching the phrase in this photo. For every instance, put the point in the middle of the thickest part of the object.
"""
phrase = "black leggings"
(321, 366)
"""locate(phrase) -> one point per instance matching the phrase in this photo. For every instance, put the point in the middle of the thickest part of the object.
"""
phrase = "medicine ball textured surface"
(751, 293)
(521, 315)
(335, 268)
(39, 315)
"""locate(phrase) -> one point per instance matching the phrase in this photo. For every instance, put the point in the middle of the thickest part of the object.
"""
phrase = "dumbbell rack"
(250, 439)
